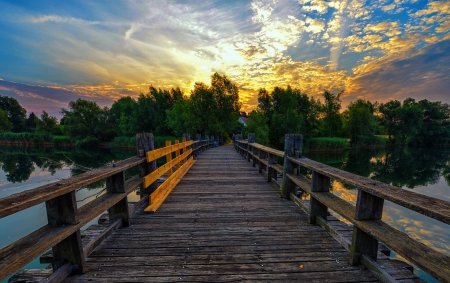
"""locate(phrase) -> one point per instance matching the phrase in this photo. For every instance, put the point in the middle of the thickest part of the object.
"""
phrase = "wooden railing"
(366, 215)
(65, 219)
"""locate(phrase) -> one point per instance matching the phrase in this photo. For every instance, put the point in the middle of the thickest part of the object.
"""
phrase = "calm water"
(422, 170)
(425, 171)
(27, 168)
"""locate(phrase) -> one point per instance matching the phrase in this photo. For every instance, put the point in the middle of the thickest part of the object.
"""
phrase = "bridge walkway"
(222, 223)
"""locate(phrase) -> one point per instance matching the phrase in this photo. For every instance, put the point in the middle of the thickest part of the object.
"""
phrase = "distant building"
(243, 120)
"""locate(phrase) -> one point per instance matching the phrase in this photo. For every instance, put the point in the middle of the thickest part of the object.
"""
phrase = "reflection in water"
(424, 170)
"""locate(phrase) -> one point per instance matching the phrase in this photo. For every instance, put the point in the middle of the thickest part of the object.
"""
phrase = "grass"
(326, 144)
(130, 142)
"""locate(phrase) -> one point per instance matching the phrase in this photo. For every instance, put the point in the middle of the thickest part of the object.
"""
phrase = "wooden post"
(198, 137)
(320, 183)
(293, 144)
(368, 207)
(251, 139)
(168, 159)
(145, 143)
(63, 211)
(184, 150)
(271, 173)
(177, 153)
(262, 155)
(116, 184)
(207, 141)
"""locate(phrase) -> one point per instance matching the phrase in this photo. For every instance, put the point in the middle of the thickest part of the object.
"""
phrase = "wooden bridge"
(223, 222)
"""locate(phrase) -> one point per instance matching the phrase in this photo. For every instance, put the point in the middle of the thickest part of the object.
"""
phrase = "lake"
(425, 171)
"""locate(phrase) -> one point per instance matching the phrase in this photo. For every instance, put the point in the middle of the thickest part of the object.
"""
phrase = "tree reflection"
(402, 167)
(18, 163)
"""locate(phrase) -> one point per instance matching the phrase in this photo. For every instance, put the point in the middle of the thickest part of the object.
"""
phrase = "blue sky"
(53, 52)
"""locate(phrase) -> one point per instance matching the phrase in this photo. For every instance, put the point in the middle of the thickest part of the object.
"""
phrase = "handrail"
(365, 216)
(65, 219)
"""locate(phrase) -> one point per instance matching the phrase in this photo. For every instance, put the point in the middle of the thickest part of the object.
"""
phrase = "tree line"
(211, 110)
(214, 109)
(288, 110)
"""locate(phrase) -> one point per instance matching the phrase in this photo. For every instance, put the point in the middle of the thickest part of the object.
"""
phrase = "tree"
(31, 123)
(435, 123)
(85, 121)
(122, 115)
(332, 123)
(257, 124)
(390, 117)
(16, 113)
(360, 122)
(5, 124)
(47, 123)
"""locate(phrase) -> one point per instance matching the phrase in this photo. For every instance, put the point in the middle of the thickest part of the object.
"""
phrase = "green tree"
(390, 117)
(47, 124)
(331, 122)
(16, 113)
(85, 122)
(360, 122)
(5, 124)
(257, 124)
(435, 124)
(122, 116)
(31, 123)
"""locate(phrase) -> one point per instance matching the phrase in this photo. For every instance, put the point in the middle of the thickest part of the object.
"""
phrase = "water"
(27, 168)
(422, 170)
(425, 171)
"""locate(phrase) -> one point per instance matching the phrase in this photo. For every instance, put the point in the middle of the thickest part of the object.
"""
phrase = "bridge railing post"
(145, 143)
(262, 155)
(249, 147)
(320, 183)
(116, 184)
(198, 145)
(368, 207)
(271, 173)
(293, 144)
(168, 159)
(63, 211)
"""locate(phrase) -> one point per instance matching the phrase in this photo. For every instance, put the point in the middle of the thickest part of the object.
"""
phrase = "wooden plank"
(434, 263)
(20, 201)
(160, 152)
(163, 191)
(426, 205)
(149, 179)
(23, 251)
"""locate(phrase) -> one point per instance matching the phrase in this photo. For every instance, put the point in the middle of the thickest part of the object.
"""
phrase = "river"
(424, 170)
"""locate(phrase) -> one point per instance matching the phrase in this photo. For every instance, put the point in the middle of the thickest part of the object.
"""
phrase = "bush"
(131, 141)
(325, 144)
(60, 140)
(87, 142)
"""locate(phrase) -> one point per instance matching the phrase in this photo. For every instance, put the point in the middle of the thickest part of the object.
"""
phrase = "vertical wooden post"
(271, 173)
(198, 137)
(293, 144)
(207, 141)
(368, 207)
(169, 159)
(262, 155)
(145, 143)
(250, 141)
(320, 183)
(63, 211)
(184, 150)
(177, 153)
(116, 184)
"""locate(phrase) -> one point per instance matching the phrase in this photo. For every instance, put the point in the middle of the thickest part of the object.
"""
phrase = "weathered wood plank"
(426, 205)
(29, 198)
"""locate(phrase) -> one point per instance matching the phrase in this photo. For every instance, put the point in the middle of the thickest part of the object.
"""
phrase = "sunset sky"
(53, 52)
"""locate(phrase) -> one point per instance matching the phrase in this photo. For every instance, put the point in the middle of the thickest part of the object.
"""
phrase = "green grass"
(326, 144)
(130, 142)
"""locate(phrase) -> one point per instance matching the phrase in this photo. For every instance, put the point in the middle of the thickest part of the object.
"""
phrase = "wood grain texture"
(20, 201)
(223, 223)
(429, 206)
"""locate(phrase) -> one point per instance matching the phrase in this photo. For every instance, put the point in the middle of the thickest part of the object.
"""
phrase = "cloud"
(52, 98)
(419, 75)
(59, 19)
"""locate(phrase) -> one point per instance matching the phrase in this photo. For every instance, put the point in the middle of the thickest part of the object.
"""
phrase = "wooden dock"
(223, 223)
